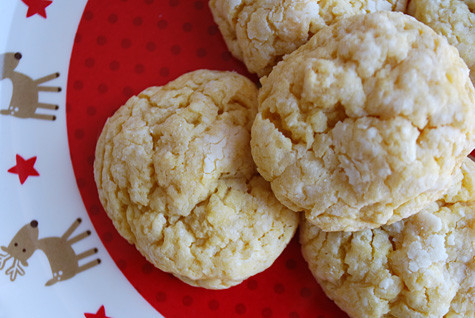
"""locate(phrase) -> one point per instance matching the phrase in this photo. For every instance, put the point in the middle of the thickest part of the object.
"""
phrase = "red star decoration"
(36, 7)
(24, 168)
(101, 313)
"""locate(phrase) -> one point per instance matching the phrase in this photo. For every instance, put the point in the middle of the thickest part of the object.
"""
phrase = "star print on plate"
(36, 7)
(101, 313)
(24, 168)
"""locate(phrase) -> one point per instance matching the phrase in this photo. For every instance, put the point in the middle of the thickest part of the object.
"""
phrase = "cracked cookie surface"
(175, 174)
(422, 266)
(454, 19)
(260, 32)
(366, 123)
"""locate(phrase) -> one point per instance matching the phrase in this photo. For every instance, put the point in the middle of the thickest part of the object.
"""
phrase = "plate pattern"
(52, 263)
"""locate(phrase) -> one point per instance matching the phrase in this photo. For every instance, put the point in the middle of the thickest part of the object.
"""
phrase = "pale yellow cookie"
(366, 123)
(423, 266)
(261, 32)
(174, 172)
(454, 19)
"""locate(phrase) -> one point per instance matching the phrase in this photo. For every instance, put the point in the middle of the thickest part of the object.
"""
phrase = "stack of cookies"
(360, 133)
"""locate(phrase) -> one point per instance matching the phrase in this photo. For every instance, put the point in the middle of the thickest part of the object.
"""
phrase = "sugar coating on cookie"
(366, 123)
(454, 19)
(422, 266)
(261, 32)
(174, 173)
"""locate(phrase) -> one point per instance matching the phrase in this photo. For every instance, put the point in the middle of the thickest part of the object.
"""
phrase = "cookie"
(261, 32)
(366, 123)
(422, 266)
(454, 19)
(175, 174)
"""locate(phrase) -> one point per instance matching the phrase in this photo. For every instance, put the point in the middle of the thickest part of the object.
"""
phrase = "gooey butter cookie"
(366, 123)
(174, 172)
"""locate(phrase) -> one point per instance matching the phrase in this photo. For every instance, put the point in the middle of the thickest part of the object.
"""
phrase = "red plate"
(121, 48)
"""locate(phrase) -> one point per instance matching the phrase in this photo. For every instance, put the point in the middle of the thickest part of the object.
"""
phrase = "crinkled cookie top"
(423, 266)
(260, 32)
(454, 19)
(366, 123)
(175, 174)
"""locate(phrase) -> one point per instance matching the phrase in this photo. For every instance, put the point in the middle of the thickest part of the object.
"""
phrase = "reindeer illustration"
(24, 101)
(62, 258)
